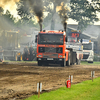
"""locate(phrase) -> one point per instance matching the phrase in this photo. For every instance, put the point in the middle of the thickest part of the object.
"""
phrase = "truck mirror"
(36, 38)
(66, 39)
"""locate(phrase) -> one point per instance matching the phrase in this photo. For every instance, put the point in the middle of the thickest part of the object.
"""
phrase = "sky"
(12, 8)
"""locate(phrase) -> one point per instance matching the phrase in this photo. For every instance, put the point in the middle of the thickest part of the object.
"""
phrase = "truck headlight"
(39, 55)
(60, 56)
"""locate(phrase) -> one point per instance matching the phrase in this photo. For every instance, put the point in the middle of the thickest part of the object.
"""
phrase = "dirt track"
(18, 81)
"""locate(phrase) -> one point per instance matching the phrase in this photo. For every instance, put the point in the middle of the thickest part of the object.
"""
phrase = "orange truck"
(51, 49)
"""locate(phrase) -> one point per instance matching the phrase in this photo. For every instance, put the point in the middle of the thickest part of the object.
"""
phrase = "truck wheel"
(39, 63)
(63, 63)
(68, 62)
(90, 61)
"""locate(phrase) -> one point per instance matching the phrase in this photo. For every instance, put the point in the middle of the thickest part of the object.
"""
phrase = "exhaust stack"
(65, 26)
(40, 26)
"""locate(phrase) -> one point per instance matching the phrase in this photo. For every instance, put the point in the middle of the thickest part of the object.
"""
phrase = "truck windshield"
(72, 39)
(56, 39)
(87, 46)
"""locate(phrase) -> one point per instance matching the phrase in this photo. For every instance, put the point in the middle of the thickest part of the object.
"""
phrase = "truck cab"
(51, 48)
(88, 53)
(75, 46)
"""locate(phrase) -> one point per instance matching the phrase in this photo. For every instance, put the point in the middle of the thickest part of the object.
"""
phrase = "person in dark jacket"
(31, 51)
(25, 55)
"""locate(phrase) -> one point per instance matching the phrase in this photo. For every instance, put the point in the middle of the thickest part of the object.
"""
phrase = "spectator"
(31, 51)
(25, 56)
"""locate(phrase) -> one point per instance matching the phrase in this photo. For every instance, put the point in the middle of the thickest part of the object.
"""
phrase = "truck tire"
(39, 63)
(90, 61)
(68, 62)
(63, 63)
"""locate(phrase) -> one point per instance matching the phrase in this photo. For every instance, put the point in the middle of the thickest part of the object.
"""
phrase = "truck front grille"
(50, 49)
(85, 56)
(50, 55)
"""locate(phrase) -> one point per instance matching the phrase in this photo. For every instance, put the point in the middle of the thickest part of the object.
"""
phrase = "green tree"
(50, 7)
(25, 12)
(84, 12)
(1, 10)
(23, 9)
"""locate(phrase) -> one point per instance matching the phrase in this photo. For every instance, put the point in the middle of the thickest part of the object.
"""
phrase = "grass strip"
(86, 90)
(86, 63)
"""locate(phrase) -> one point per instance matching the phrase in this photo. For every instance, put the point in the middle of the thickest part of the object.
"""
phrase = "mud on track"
(19, 80)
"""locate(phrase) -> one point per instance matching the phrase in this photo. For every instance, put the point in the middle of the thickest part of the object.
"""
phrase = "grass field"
(21, 61)
(86, 90)
(86, 63)
(82, 62)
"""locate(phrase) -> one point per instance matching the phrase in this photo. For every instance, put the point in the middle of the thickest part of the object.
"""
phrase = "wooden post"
(70, 79)
(39, 91)
(92, 76)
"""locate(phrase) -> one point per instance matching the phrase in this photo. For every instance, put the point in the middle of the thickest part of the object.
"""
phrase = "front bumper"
(88, 59)
(51, 60)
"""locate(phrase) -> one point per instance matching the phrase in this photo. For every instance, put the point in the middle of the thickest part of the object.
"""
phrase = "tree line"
(82, 11)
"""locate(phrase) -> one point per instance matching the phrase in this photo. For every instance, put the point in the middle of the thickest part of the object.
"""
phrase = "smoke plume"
(37, 7)
(62, 11)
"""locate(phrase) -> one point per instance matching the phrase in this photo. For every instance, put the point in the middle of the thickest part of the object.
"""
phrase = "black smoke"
(37, 7)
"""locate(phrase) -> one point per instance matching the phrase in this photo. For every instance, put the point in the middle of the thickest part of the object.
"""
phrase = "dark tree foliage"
(52, 11)
(1, 10)
(83, 12)
(26, 14)
(23, 9)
